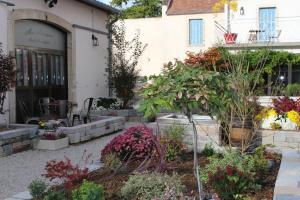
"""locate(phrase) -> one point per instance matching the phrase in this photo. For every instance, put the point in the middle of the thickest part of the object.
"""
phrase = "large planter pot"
(240, 134)
(230, 38)
(53, 144)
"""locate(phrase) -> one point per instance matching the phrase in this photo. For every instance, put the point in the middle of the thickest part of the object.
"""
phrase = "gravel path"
(18, 170)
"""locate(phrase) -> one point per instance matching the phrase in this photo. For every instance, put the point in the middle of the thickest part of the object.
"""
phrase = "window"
(196, 32)
(267, 24)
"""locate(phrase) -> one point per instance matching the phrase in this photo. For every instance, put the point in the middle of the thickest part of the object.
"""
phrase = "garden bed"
(113, 184)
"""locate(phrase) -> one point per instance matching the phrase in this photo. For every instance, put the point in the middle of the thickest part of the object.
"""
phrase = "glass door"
(40, 73)
(267, 22)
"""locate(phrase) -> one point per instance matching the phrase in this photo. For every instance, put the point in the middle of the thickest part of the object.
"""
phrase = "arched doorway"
(41, 63)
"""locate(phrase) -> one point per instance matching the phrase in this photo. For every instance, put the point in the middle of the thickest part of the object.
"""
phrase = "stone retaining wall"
(280, 138)
(17, 138)
(130, 115)
(208, 130)
(84, 132)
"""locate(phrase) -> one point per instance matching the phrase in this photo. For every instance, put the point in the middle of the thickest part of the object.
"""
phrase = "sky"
(107, 1)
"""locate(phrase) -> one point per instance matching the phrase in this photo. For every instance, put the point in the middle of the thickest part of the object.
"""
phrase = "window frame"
(202, 32)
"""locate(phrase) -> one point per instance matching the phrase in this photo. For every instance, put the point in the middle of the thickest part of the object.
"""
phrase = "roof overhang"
(101, 6)
(7, 3)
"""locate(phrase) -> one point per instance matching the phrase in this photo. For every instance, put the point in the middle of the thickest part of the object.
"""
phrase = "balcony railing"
(287, 31)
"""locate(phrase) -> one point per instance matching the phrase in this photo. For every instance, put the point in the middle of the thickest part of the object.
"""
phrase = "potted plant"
(229, 37)
(53, 141)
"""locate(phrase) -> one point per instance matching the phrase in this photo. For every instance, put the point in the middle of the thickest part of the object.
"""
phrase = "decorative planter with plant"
(53, 141)
(284, 115)
(230, 38)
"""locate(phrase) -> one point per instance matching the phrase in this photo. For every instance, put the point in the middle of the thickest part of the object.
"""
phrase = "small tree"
(125, 55)
(183, 88)
(6, 77)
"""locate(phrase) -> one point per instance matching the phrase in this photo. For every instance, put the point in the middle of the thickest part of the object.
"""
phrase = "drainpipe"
(110, 24)
(228, 16)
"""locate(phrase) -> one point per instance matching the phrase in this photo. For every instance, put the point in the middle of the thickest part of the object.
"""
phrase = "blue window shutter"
(267, 20)
(196, 32)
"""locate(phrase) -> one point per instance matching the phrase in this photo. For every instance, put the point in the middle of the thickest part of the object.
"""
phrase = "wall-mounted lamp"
(242, 11)
(51, 3)
(95, 41)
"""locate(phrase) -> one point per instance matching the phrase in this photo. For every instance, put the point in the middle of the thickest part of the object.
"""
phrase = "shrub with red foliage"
(230, 182)
(67, 172)
(136, 143)
(208, 59)
(286, 104)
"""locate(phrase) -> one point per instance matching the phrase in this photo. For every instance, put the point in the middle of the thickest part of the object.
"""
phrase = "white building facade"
(265, 23)
(185, 26)
(61, 51)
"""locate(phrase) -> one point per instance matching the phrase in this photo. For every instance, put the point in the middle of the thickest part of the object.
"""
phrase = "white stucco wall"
(167, 38)
(287, 18)
(90, 66)
(3, 40)
(88, 62)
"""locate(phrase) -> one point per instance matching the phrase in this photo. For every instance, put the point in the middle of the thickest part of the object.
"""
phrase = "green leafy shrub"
(208, 150)
(173, 140)
(55, 195)
(292, 89)
(37, 188)
(230, 183)
(150, 186)
(175, 132)
(111, 161)
(261, 164)
(233, 158)
(88, 191)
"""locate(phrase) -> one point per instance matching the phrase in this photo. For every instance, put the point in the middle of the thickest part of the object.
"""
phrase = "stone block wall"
(280, 138)
(84, 132)
(208, 131)
(17, 138)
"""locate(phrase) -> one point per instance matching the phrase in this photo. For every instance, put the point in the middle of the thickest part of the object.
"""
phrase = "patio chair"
(85, 113)
(275, 37)
(25, 114)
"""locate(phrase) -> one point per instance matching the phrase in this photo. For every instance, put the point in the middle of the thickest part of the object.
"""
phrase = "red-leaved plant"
(136, 143)
(286, 104)
(67, 172)
(230, 182)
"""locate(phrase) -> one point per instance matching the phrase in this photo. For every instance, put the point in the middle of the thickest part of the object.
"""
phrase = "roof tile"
(181, 7)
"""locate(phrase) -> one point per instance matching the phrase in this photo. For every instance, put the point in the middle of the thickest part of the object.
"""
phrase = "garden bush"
(107, 103)
(65, 171)
(208, 150)
(111, 161)
(136, 143)
(233, 158)
(230, 183)
(150, 186)
(173, 142)
(37, 188)
(88, 191)
(292, 89)
(55, 195)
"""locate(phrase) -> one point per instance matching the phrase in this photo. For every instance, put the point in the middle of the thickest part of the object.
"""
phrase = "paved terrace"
(18, 170)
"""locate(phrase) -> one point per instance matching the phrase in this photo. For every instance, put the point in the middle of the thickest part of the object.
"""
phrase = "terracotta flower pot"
(240, 134)
(230, 38)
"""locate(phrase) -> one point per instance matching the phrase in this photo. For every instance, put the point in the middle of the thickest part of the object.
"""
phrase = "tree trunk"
(196, 165)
